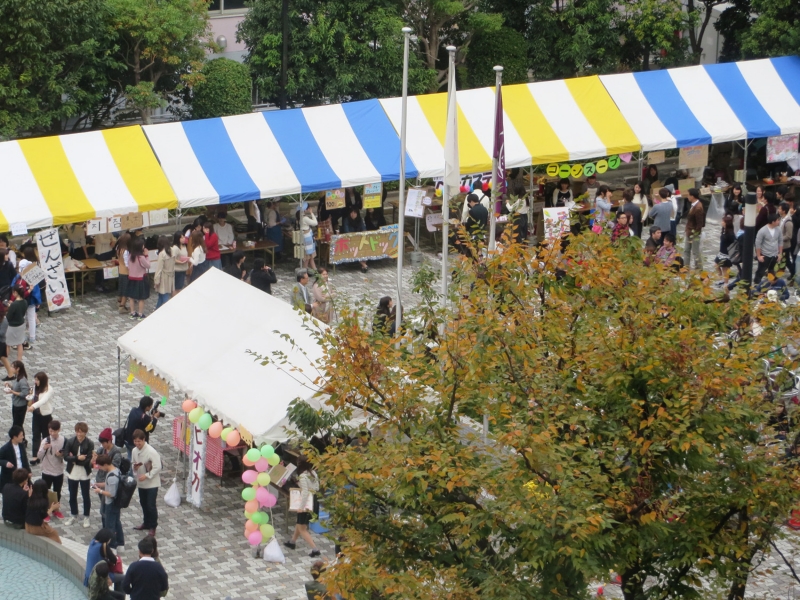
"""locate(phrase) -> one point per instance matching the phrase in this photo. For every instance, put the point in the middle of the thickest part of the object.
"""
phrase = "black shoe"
(9, 378)
(290, 545)
(33, 462)
(26, 346)
(314, 553)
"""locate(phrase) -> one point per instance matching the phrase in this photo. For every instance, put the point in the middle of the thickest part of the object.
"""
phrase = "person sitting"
(15, 499)
(353, 223)
(224, 230)
(652, 244)
(100, 583)
(314, 588)
(384, 321)
(13, 455)
(562, 195)
(262, 276)
(38, 511)
(374, 219)
(236, 268)
(667, 254)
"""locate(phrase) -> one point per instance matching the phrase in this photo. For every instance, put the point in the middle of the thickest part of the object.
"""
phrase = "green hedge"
(225, 90)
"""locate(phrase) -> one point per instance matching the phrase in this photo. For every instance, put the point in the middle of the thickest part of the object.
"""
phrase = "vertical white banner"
(50, 260)
(197, 472)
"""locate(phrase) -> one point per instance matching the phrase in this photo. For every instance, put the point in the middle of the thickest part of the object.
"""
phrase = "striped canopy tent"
(708, 104)
(269, 154)
(550, 121)
(72, 178)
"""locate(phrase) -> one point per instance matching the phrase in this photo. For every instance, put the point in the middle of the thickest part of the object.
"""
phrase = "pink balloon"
(262, 465)
(215, 430)
(270, 501)
(262, 495)
(249, 476)
(254, 538)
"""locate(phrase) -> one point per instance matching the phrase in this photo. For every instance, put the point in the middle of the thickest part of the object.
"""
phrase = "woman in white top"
(197, 247)
(519, 209)
(181, 254)
(306, 221)
(164, 279)
(308, 482)
(42, 409)
(562, 195)
(641, 200)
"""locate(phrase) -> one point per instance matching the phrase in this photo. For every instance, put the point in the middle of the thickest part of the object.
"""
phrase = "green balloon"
(225, 433)
(248, 494)
(267, 451)
(263, 479)
(195, 415)
(253, 454)
(258, 517)
(205, 422)
(273, 460)
(267, 531)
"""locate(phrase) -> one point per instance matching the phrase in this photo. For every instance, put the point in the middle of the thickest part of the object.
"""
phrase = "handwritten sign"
(656, 158)
(556, 222)
(334, 199)
(132, 221)
(19, 229)
(33, 274)
(782, 147)
(96, 227)
(692, 157)
(53, 266)
(110, 272)
(414, 205)
(158, 217)
(365, 245)
(158, 385)
(372, 195)
(197, 472)
(114, 224)
(433, 221)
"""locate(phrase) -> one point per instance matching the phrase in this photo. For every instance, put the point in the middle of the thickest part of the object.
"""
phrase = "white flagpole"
(401, 202)
(451, 104)
(498, 79)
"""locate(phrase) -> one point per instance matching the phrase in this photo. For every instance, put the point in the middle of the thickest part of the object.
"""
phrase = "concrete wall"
(226, 25)
(42, 550)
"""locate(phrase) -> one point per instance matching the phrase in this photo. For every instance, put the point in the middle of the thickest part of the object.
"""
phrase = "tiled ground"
(204, 550)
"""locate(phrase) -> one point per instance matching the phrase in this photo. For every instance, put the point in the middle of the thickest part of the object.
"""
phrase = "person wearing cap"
(107, 448)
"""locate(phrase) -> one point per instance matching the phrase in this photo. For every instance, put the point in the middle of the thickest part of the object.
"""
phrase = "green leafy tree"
(733, 24)
(627, 431)
(226, 89)
(700, 13)
(55, 62)
(506, 47)
(648, 29)
(776, 30)
(338, 50)
(162, 45)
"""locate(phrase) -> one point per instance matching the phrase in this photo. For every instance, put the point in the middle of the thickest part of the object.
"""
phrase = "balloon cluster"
(206, 422)
(258, 496)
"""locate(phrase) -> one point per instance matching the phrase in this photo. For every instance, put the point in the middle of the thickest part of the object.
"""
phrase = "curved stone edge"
(47, 552)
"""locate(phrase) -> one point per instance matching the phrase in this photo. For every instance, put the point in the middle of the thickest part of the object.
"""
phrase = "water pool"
(22, 578)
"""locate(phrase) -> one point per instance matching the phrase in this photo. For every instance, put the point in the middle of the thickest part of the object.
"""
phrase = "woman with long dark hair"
(180, 252)
(19, 389)
(42, 409)
(384, 321)
(308, 482)
(138, 277)
(40, 508)
(734, 200)
(197, 254)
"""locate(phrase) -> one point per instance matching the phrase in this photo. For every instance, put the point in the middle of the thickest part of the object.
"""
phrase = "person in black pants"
(142, 417)
(19, 389)
(13, 455)
(78, 455)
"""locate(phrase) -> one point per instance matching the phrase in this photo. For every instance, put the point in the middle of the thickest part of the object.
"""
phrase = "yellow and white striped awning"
(73, 178)
(549, 121)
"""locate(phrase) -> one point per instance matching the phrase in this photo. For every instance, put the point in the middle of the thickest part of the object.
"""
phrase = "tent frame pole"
(119, 388)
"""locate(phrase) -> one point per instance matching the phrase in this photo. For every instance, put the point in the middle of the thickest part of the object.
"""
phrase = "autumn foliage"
(627, 431)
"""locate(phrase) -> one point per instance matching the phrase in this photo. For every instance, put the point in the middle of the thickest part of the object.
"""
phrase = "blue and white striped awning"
(707, 104)
(264, 155)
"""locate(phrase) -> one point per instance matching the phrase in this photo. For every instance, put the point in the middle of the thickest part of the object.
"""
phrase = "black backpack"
(127, 486)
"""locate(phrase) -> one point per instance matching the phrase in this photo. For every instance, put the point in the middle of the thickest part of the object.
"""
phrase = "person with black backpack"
(111, 509)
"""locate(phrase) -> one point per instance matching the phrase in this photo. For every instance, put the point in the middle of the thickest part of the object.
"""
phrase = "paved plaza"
(204, 550)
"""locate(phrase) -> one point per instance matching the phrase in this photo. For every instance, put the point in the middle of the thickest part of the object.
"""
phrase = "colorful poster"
(334, 199)
(372, 195)
(365, 245)
(556, 222)
(782, 147)
(197, 471)
(692, 157)
(49, 247)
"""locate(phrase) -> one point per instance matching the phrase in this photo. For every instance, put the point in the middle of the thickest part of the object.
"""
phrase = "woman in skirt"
(15, 336)
(307, 221)
(138, 278)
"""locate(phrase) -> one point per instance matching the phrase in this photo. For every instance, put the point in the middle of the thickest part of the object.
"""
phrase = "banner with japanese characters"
(364, 245)
(50, 260)
(197, 472)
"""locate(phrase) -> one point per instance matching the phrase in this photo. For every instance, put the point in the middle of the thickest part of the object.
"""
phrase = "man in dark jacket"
(145, 579)
(262, 276)
(695, 223)
(142, 417)
(634, 212)
(15, 499)
(13, 455)
(478, 217)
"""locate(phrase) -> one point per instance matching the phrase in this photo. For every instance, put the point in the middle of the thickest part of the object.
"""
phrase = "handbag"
(116, 567)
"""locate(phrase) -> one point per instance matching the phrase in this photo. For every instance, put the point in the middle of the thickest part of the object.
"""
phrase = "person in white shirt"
(517, 205)
(224, 230)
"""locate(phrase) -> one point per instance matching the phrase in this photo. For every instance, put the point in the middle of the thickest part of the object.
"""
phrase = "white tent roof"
(198, 342)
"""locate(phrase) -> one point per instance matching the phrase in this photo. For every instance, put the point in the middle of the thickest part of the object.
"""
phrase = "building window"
(223, 6)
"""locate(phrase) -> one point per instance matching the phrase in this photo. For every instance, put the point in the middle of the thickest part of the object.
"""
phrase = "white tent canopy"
(198, 342)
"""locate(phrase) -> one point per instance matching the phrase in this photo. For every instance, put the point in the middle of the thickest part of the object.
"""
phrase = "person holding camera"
(145, 418)
(78, 454)
(51, 457)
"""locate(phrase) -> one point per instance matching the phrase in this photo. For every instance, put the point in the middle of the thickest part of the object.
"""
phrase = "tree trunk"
(737, 590)
(632, 584)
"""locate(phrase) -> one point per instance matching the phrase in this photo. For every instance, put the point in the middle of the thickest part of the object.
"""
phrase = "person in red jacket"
(212, 245)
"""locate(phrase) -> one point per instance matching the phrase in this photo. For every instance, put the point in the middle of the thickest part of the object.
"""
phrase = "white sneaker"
(70, 520)
(85, 522)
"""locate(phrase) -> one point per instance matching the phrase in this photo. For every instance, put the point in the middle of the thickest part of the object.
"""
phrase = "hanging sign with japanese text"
(50, 260)
(158, 385)
(365, 245)
(373, 195)
(197, 471)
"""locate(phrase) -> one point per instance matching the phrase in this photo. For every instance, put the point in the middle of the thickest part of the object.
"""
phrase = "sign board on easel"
(414, 203)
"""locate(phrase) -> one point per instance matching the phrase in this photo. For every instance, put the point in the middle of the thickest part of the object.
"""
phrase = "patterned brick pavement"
(204, 551)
